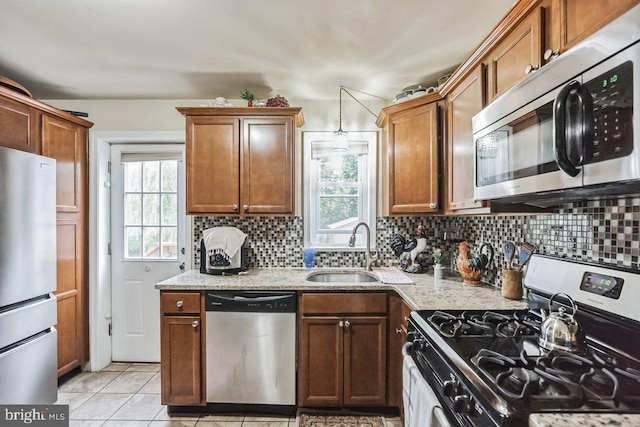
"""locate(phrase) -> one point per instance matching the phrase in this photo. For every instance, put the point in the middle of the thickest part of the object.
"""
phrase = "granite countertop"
(419, 291)
(584, 420)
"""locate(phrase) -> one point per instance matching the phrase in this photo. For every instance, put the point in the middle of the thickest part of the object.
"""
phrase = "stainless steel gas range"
(490, 368)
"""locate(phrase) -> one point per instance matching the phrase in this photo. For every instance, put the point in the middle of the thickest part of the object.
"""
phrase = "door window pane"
(132, 242)
(151, 209)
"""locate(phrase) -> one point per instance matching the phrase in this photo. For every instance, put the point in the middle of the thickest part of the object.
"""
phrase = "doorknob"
(182, 266)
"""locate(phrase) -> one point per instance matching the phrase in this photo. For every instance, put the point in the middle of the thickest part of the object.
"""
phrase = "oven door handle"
(440, 418)
(560, 130)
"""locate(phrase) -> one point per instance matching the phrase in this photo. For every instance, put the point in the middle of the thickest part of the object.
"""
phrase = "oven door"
(516, 155)
(421, 405)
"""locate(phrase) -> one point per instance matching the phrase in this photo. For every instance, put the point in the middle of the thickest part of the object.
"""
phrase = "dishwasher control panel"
(251, 301)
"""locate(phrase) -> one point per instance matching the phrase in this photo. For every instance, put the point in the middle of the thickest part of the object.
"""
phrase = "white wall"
(161, 114)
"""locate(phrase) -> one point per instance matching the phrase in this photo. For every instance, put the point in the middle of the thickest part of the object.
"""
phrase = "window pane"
(151, 242)
(339, 169)
(169, 209)
(338, 213)
(133, 242)
(133, 209)
(151, 209)
(326, 190)
(151, 176)
(169, 242)
(169, 176)
(132, 176)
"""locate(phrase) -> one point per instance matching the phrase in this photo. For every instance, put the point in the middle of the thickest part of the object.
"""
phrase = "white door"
(147, 242)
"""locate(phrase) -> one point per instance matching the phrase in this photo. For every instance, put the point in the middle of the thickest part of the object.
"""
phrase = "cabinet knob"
(551, 54)
(347, 323)
(234, 207)
(180, 304)
(341, 324)
(406, 318)
(433, 205)
(245, 207)
(399, 331)
(195, 324)
(530, 69)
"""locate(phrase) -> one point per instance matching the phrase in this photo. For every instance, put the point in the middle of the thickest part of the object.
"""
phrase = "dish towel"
(224, 240)
(420, 402)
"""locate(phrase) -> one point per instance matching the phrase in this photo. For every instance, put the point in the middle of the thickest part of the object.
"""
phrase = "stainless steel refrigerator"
(28, 339)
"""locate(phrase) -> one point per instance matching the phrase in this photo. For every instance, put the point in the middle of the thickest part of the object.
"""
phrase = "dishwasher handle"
(251, 301)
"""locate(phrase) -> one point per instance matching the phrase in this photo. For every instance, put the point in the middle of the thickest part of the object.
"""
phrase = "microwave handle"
(587, 133)
(559, 133)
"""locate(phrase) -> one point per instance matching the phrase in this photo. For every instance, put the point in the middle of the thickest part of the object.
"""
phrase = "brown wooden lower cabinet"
(343, 350)
(181, 351)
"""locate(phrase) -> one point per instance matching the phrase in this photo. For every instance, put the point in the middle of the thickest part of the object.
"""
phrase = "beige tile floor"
(128, 395)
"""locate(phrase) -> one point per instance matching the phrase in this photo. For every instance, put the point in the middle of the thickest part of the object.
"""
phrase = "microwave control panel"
(612, 94)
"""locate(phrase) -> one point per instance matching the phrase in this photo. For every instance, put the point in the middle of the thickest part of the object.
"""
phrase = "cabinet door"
(181, 361)
(521, 47)
(396, 339)
(412, 153)
(267, 165)
(462, 104)
(18, 127)
(213, 164)
(320, 373)
(581, 18)
(365, 361)
(67, 143)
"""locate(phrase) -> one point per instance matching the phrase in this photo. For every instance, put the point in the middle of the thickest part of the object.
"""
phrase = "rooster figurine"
(472, 270)
(421, 245)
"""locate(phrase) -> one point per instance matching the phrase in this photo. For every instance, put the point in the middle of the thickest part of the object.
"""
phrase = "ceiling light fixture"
(341, 137)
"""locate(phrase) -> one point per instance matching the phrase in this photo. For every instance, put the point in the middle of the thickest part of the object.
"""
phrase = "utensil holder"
(512, 284)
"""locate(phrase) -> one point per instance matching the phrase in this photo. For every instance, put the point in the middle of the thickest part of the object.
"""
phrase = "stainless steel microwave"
(570, 131)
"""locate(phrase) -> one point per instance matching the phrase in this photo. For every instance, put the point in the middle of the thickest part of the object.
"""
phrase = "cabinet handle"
(245, 207)
(195, 324)
(399, 330)
(180, 304)
(347, 323)
(234, 207)
(406, 318)
(530, 69)
(433, 205)
(340, 324)
(551, 54)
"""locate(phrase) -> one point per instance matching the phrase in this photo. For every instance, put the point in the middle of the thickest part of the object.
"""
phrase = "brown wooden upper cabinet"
(410, 156)
(19, 124)
(581, 18)
(240, 161)
(516, 55)
(465, 101)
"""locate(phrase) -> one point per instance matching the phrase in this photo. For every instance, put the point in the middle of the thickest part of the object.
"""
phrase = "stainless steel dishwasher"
(251, 347)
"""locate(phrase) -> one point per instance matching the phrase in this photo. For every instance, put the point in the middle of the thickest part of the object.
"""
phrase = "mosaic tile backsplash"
(604, 231)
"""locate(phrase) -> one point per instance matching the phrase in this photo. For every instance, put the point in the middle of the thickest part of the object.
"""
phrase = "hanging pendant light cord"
(342, 88)
(340, 120)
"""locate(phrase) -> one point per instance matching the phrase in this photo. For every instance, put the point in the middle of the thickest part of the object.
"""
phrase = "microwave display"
(612, 94)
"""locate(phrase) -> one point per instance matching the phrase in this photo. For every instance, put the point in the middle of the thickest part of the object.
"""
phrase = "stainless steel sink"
(341, 277)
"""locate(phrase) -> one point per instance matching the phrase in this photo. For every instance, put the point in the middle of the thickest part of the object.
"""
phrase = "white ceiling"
(201, 49)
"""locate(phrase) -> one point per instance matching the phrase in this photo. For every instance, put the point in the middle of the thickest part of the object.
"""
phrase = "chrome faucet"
(370, 256)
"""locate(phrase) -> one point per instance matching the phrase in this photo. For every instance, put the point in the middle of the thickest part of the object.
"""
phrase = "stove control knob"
(462, 404)
(419, 344)
(450, 387)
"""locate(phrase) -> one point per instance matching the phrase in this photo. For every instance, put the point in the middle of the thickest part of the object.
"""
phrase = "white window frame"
(366, 190)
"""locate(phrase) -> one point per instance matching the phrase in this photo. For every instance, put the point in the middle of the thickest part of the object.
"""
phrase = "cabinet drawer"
(180, 302)
(343, 303)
